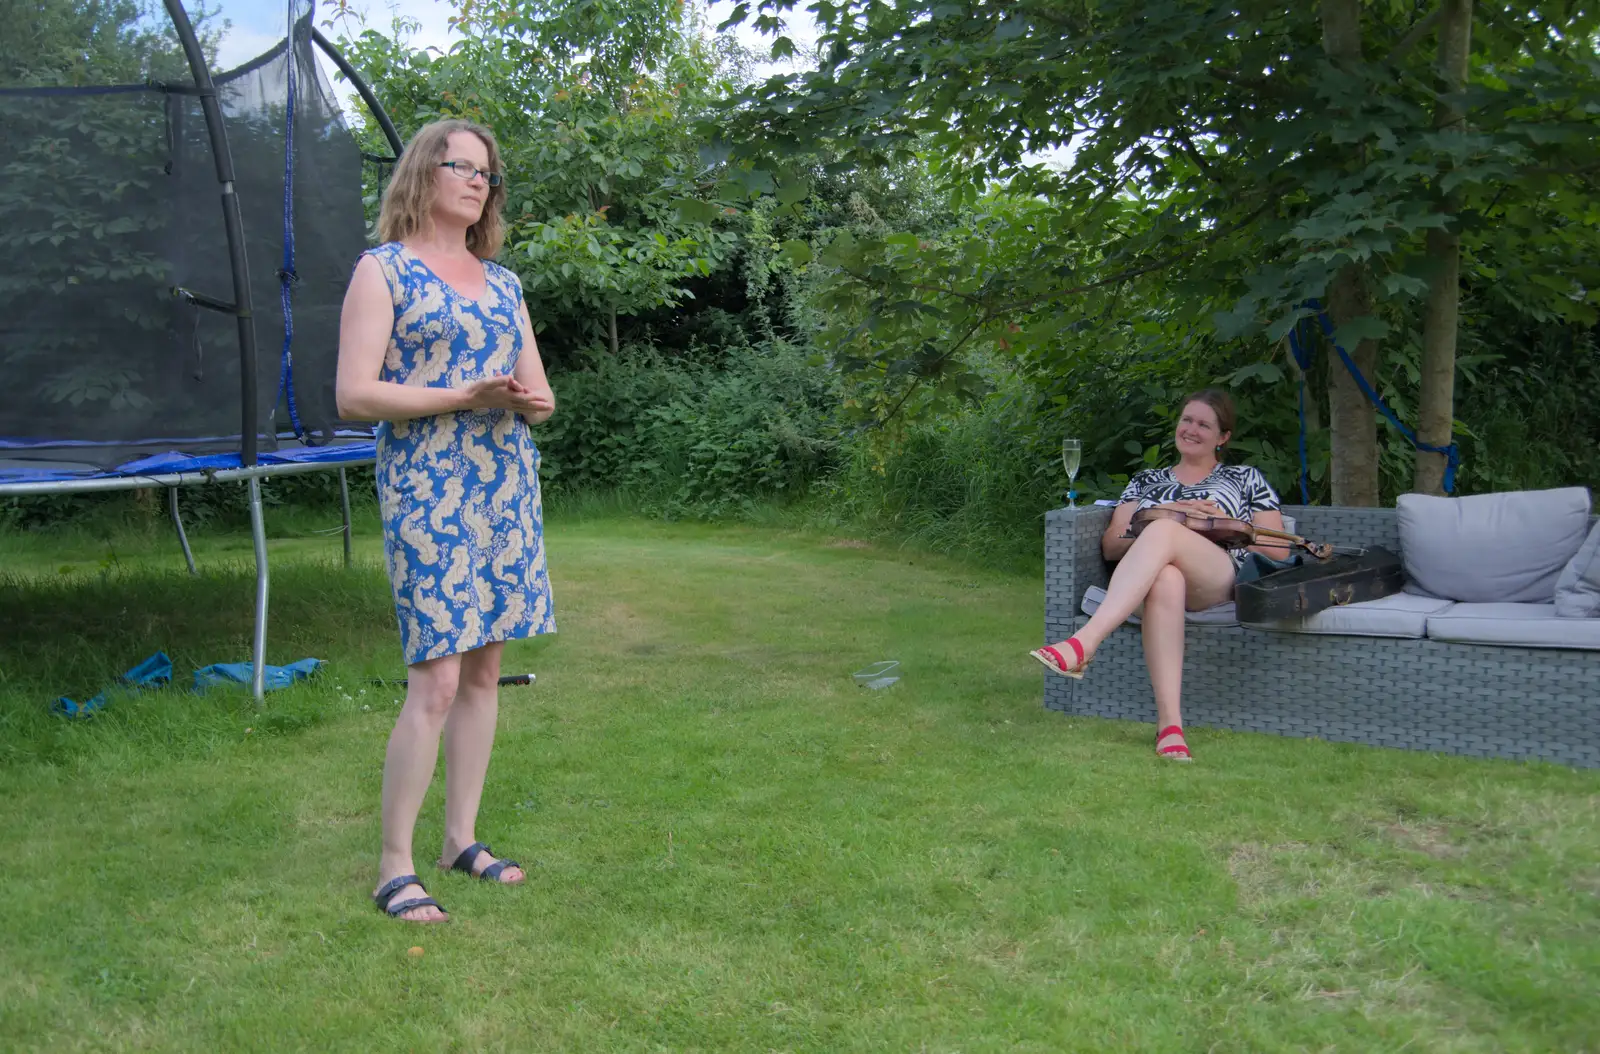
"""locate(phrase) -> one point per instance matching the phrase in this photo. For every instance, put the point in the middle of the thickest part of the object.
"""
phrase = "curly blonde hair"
(408, 198)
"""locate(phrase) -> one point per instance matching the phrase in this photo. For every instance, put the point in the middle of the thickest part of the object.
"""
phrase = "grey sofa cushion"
(1523, 625)
(1220, 615)
(1578, 588)
(1491, 548)
(1401, 615)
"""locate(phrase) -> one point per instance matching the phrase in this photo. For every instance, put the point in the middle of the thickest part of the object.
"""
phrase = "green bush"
(703, 436)
(977, 483)
(724, 433)
(685, 437)
(1526, 409)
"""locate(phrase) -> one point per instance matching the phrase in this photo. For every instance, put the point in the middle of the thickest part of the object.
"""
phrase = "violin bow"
(1320, 550)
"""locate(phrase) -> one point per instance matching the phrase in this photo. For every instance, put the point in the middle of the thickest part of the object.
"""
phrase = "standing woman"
(435, 345)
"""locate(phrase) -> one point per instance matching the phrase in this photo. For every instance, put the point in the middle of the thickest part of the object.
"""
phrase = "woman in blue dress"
(436, 346)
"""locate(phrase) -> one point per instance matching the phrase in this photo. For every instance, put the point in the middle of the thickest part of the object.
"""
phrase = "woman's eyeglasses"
(466, 170)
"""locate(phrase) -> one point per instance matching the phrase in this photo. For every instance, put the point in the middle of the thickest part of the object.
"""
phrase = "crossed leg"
(1168, 570)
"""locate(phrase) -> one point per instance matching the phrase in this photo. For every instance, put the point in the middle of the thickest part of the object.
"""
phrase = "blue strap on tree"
(1452, 452)
(286, 274)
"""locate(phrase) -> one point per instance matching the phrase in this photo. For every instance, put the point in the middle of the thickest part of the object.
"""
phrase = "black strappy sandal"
(488, 874)
(384, 898)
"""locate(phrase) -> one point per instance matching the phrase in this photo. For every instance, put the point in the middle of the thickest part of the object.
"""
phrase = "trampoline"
(179, 248)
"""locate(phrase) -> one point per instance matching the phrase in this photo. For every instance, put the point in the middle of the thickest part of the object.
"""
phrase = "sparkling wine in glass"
(1071, 457)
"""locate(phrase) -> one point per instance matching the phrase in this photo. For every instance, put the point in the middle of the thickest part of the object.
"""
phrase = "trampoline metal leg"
(258, 533)
(177, 525)
(344, 504)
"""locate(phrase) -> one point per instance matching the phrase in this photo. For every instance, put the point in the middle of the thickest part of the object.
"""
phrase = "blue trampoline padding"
(27, 443)
(173, 462)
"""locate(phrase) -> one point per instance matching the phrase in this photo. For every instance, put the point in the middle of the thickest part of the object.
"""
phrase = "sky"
(259, 24)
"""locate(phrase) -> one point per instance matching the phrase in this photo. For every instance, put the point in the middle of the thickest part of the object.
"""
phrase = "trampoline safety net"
(109, 190)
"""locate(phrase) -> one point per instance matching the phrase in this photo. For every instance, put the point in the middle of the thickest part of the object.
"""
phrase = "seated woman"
(1170, 569)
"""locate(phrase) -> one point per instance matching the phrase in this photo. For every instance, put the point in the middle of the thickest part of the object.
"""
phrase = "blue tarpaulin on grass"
(241, 672)
(151, 673)
(156, 671)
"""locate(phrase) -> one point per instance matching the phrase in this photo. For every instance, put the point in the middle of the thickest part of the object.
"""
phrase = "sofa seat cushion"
(1491, 548)
(1402, 615)
(1220, 615)
(1520, 625)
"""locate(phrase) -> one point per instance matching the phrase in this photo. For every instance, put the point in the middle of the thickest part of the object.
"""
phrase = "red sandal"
(1178, 751)
(1055, 662)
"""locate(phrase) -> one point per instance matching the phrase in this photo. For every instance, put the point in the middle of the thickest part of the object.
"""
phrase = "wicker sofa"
(1395, 691)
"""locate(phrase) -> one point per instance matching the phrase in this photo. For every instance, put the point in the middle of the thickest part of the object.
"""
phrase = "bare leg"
(468, 739)
(1162, 626)
(408, 769)
(1207, 574)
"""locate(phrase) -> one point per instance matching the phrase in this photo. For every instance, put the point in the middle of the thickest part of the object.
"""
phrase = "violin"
(1227, 531)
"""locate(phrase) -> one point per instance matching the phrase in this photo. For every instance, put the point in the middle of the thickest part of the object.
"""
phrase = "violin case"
(1315, 585)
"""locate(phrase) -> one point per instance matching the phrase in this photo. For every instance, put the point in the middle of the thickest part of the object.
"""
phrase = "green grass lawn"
(730, 846)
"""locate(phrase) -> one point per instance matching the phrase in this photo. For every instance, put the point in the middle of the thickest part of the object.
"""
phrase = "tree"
(1279, 155)
(56, 43)
(610, 208)
(84, 189)
(1436, 412)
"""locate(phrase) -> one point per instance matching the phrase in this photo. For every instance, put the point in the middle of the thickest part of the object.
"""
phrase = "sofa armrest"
(1072, 563)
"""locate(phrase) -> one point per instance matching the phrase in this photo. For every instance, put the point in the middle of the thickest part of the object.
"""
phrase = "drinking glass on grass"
(1071, 457)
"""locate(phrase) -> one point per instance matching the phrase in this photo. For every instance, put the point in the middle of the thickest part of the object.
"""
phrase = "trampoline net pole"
(375, 108)
(258, 646)
(233, 224)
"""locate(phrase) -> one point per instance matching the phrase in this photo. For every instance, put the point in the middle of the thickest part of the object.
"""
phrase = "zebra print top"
(1238, 490)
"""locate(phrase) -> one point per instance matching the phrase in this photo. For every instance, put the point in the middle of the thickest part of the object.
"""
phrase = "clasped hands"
(1198, 506)
(508, 393)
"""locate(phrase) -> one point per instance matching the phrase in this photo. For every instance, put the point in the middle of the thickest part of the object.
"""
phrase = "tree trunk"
(1436, 405)
(1341, 30)
(596, 205)
(1352, 421)
(1436, 408)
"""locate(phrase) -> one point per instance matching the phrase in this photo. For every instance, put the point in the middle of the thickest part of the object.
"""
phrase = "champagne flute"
(1071, 457)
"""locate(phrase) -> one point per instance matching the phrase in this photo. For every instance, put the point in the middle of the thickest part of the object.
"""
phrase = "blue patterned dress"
(463, 526)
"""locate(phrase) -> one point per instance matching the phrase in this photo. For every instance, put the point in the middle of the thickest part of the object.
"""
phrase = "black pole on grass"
(508, 679)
